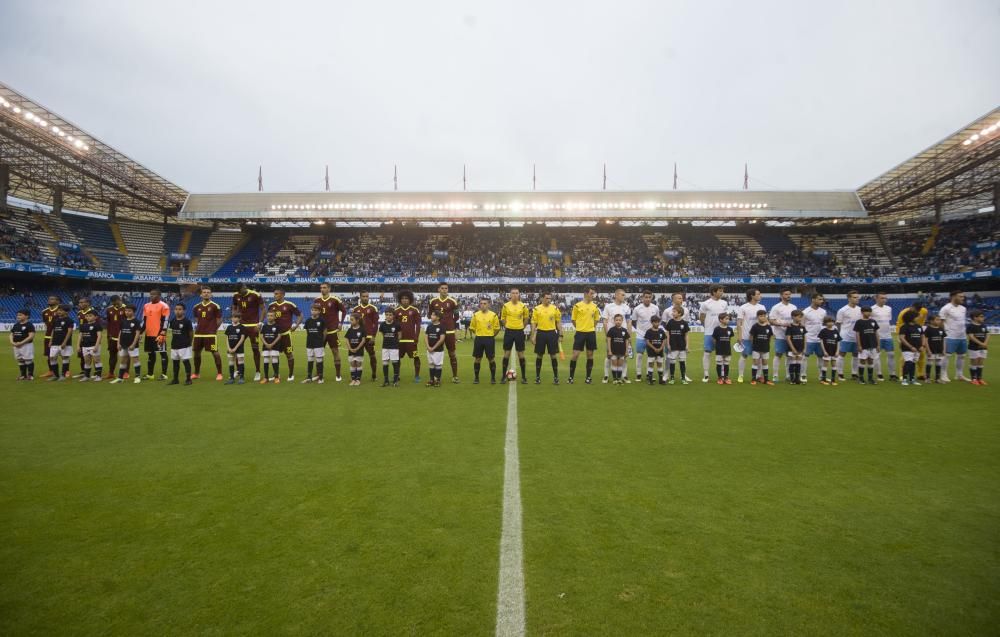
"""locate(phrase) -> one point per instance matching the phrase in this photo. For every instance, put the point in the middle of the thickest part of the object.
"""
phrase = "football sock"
(151, 364)
(453, 359)
(23, 369)
(241, 369)
(385, 371)
(764, 375)
(959, 364)
(555, 367)
(506, 362)
(742, 365)
(871, 372)
(197, 363)
(371, 362)
(475, 369)
(319, 369)
(395, 371)
(256, 356)
(683, 365)
(890, 360)
(725, 370)
(706, 360)
(86, 372)
(607, 366)
(232, 371)
(840, 365)
(538, 367)
(65, 368)
(522, 365)
(138, 370)
(121, 371)
(99, 370)
(572, 369)
(31, 368)
(416, 365)
(590, 367)
(854, 364)
(671, 370)
(177, 369)
(163, 362)
(937, 372)
(54, 368)
(277, 371)
(493, 370)
(187, 369)
(113, 358)
(718, 370)
(309, 369)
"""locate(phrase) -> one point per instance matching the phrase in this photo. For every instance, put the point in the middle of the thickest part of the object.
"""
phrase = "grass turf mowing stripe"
(510, 588)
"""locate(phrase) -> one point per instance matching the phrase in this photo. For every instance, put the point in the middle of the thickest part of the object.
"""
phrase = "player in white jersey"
(708, 314)
(847, 316)
(780, 318)
(677, 303)
(812, 318)
(642, 316)
(746, 316)
(955, 340)
(618, 306)
(882, 313)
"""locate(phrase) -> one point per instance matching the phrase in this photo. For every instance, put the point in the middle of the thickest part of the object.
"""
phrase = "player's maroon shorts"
(205, 343)
(333, 339)
(253, 335)
(407, 348)
(449, 341)
(285, 343)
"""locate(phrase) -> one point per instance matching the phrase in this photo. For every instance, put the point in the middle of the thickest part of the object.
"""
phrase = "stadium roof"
(521, 206)
(959, 173)
(47, 154)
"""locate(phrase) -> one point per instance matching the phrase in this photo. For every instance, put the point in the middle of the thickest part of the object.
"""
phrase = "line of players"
(660, 339)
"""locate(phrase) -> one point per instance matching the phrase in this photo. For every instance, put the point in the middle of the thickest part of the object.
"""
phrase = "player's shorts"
(829, 358)
(547, 341)
(640, 345)
(435, 359)
(466, 323)
(911, 357)
(65, 352)
(285, 344)
(91, 351)
(584, 341)
(253, 335)
(932, 357)
(814, 349)
(848, 347)
(513, 339)
(390, 355)
(747, 347)
(708, 343)
(150, 345)
(720, 358)
(235, 358)
(759, 356)
(654, 357)
(866, 354)
(182, 354)
(205, 343)
(484, 345)
(885, 344)
(333, 339)
(25, 352)
(956, 346)
(677, 355)
(271, 355)
(617, 353)
(128, 353)
(315, 353)
(977, 354)
(780, 346)
(407, 348)
(355, 358)
(449, 341)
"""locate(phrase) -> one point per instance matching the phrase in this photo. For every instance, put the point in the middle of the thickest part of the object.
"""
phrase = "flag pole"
(260, 178)
(395, 178)
(328, 178)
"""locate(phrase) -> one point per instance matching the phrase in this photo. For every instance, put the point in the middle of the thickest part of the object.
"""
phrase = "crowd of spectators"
(952, 250)
(18, 246)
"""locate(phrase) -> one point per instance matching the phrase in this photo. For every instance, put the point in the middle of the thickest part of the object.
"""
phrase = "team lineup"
(775, 344)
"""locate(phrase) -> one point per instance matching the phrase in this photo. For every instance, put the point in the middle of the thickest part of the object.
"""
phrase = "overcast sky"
(813, 95)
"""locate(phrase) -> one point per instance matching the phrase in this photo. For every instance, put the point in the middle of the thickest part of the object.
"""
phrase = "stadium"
(511, 498)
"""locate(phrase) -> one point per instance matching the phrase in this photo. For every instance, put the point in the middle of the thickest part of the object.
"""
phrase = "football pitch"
(333, 510)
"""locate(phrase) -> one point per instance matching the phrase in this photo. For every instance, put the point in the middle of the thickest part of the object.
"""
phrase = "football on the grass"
(511, 374)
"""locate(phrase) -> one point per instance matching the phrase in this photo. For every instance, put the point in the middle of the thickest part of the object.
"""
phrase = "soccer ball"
(511, 374)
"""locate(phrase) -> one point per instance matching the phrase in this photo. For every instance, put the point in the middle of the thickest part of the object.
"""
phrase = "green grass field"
(323, 510)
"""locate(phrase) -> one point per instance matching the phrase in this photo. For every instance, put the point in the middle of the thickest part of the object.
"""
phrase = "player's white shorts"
(654, 358)
(911, 357)
(128, 353)
(183, 354)
(92, 351)
(235, 358)
(390, 355)
(66, 352)
(977, 354)
(935, 358)
(722, 359)
(677, 355)
(868, 354)
(355, 358)
(760, 356)
(25, 352)
(831, 359)
(315, 353)
(435, 359)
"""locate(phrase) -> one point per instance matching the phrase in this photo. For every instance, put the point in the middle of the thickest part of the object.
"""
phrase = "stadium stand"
(948, 247)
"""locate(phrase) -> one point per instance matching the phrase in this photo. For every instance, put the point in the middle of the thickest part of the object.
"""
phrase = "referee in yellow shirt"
(546, 330)
(513, 318)
(585, 316)
(485, 325)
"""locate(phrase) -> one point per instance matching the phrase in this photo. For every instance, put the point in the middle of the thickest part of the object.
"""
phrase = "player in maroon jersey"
(49, 315)
(409, 319)
(332, 310)
(287, 317)
(447, 309)
(369, 322)
(250, 305)
(208, 315)
(113, 318)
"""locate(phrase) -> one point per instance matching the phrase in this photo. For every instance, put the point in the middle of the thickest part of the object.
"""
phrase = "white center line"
(510, 593)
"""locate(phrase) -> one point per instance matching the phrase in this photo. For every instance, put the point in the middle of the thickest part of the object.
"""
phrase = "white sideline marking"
(510, 589)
